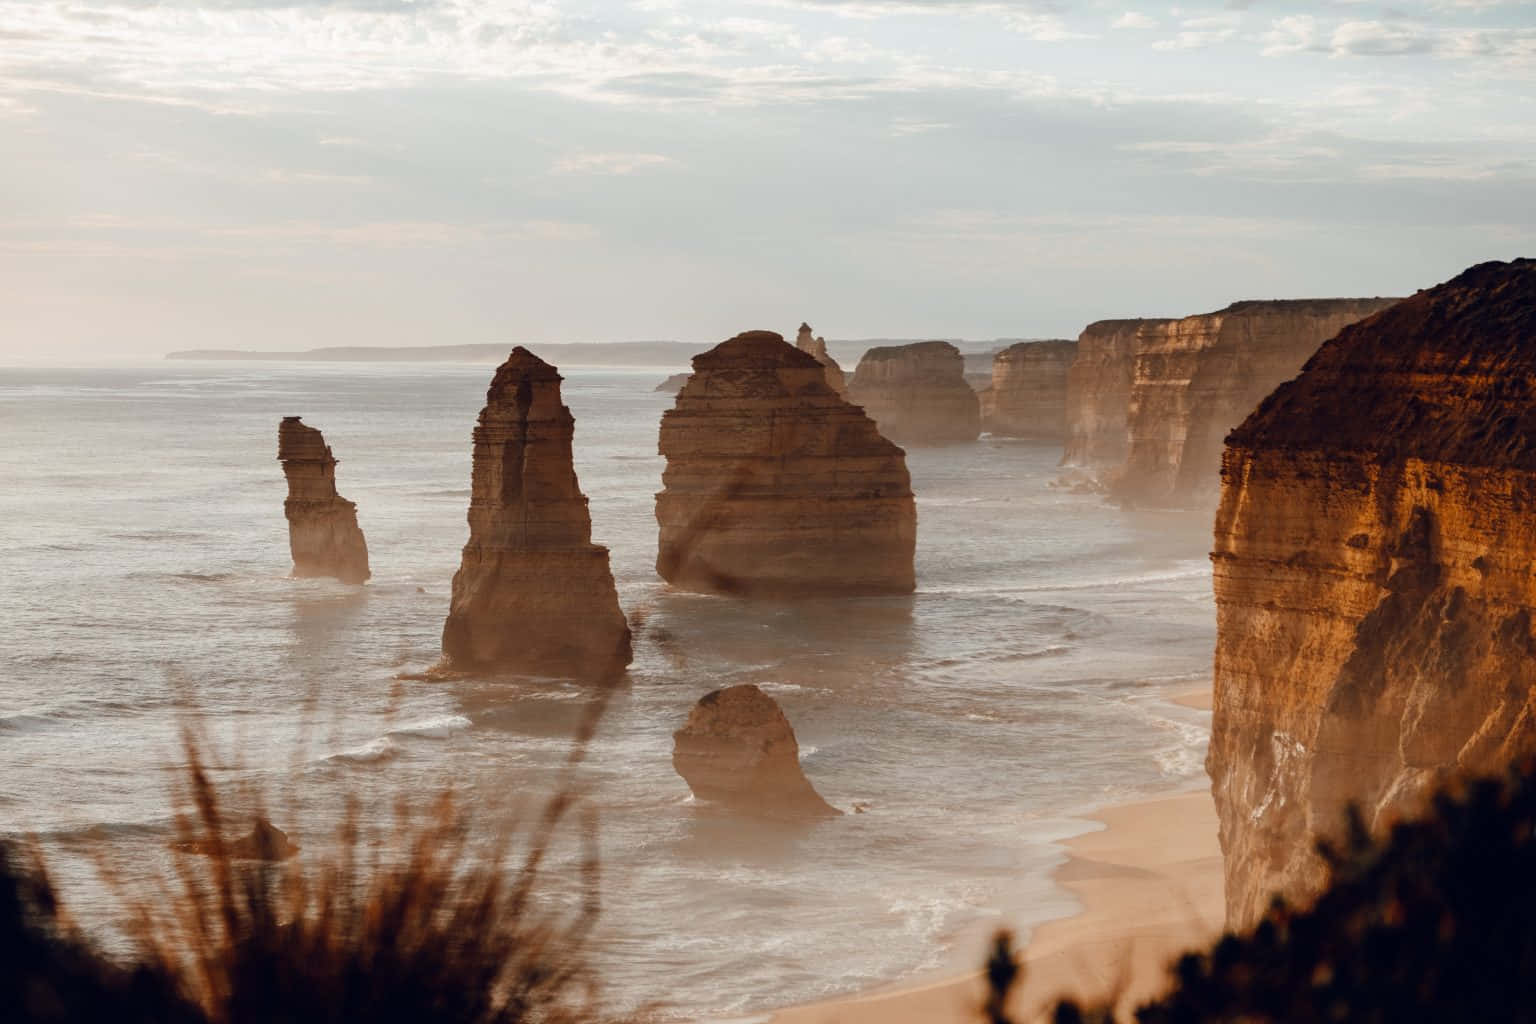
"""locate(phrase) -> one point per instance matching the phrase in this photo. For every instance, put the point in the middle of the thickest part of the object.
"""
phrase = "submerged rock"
(738, 749)
(265, 842)
(533, 594)
(323, 534)
(775, 485)
(1373, 580)
(816, 348)
(1028, 393)
(917, 393)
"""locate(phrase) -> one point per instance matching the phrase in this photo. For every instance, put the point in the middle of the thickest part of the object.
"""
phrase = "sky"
(279, 174)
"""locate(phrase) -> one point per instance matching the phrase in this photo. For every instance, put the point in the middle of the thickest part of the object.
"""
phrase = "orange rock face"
(1196, 378)
(817, 349)
(775, 485)
(1028, 396)
(1099, 394)
(739, 750)
(323, 534)
(1373, 574)
(917, 393)
(533, 594)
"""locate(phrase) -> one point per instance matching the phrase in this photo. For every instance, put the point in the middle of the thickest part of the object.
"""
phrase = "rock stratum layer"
(1028, 396)
(1197, 378)
(1098, 398)
(917, 394)
(775, 485)
(816, 348)
(738, 749)
(323, 534)
(1374, 578)
(533, 594)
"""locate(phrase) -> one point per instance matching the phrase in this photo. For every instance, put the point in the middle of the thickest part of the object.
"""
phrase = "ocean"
(145, 557)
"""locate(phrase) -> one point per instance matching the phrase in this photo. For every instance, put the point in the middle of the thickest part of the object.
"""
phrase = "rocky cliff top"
(1026, 351)
(754, 350)
(521, 365)
(921, 352)
(1363, 390)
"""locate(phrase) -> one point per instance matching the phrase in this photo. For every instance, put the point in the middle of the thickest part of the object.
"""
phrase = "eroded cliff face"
(533, 594)
(917, 393)
(737, 749)
(816, 348)
(323, 534)
(775, 485)
(1099, 394)
(1028, 396)
(1375, 578)
(1196, 378)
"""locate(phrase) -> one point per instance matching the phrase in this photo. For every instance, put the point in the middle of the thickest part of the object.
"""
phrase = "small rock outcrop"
(672, 385)
(1196, 378)
(1099, 394)
(265, 842)
(1028, 395)
(533, 594)
(917, 393)
(775, 485)
(817, 349)
(1373, 575)
(739, 750)
(323, 534)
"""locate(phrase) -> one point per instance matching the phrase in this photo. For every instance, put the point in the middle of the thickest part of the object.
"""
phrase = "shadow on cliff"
(1431, 922)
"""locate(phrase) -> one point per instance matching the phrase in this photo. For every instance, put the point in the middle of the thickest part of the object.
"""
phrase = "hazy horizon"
(291, 174)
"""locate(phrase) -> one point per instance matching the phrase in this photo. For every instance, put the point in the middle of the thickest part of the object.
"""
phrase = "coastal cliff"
(774, 484)
(816, 348)
(323, 534)
(1098, 397)
(1028, 394)
(1373, 572)
(533, 594)
(917, 394)
(1196, 378)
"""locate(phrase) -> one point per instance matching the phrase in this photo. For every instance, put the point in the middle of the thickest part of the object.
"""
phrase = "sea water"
(144, 560)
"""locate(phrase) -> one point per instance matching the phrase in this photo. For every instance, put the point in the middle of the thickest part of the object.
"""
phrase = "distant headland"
(594, 353)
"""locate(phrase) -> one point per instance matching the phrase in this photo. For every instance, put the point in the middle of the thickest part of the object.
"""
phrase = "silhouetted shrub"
(1434, 921)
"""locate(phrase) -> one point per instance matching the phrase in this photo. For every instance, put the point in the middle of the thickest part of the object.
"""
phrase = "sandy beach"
(1150, 886)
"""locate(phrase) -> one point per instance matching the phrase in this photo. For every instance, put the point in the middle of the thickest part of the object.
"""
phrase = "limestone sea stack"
(1196, 378)
(817, 349)
(323, 534)
(738, 749)
(1099, 394)
(917, 393)
(1028, 396)
(533, 594)
(1373, 575)
(776, 486)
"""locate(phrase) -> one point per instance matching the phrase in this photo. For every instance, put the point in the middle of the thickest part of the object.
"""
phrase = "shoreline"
(1148, 884)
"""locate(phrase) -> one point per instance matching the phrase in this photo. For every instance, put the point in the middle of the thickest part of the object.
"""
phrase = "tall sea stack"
(775, 485)
(1028, 396)
(1099, 394)
(1196, 378)
(323, 534)
(533, 594)
(1374, 583)
(917, 393)
(817, 349)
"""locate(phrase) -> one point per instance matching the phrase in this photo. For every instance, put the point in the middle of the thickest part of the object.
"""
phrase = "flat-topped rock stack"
(323, 534)
(917, 393)
(737, 749)
(1028, 394)
(1197, 378)
(775, 485)
(1375, 594)
(1098, 398)
(533, 594)
(816, 347)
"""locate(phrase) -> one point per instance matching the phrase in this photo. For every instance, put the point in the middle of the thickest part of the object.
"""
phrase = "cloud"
(1133, 20)
(608, 163)
(1199, 33)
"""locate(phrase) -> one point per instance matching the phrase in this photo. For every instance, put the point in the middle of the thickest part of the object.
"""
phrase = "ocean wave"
(99, 831)
(26, 722)
(438, 727)
(372, 752)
